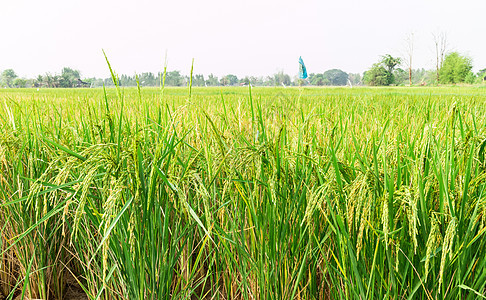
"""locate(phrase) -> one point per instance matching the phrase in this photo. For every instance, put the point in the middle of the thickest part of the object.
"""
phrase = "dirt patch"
(73, 290)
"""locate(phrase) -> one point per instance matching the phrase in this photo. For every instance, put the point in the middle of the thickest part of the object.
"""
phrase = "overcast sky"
(251, 37)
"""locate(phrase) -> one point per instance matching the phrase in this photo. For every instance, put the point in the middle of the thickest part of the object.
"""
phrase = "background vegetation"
(451, 68)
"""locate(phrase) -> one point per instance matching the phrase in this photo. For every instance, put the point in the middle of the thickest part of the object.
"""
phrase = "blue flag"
(302, 69)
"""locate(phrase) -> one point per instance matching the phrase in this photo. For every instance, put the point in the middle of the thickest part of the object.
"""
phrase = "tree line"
(451, 68)
(70, 78)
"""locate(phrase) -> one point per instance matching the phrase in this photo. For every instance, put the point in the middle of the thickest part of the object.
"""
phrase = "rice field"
(243, 193)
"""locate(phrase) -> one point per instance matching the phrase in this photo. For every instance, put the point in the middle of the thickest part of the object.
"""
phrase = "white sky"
(252, 37)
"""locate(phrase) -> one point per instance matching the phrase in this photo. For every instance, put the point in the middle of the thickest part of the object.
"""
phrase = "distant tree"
(280, 78)
(470, 78)
(256, 81)
(94, 82)
(268, 81)
(381, 73)
(229, 79)
(109, 82)
(418, 76)
(19, 82)
(390, 62)
(224, 81)
(355, 79)
(245, 81)
(318, 79)
(38, 82)
(409, 55)
(440, 42)
(481, 76)
(29, 82)
(147, 79)
(212, 80)
(198, 80)
(8, 77)
(52, 81)
(68, 78)
(125, 80)
(303, 82)
(377, 76)
(430, 77)
(401, 76)
(455, 68)
(174, 78)
(336, 77)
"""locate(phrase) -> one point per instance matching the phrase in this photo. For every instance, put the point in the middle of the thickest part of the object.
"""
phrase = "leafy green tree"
(470, 78)
(336, 77)
(381, 73)
(19, 82)
(377, 76)
(8, 77)
(455, 68)
(390, 62)
(68, 77)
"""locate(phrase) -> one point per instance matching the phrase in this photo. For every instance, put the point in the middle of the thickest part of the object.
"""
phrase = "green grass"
(268, 193)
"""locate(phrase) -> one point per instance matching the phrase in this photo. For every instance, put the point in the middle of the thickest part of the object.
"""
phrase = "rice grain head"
(432, 242)
(447, 247)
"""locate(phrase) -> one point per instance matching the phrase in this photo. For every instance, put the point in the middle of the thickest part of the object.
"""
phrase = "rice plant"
(240, 193)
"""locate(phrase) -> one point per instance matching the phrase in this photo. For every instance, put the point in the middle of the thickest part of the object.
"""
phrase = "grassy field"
(268, 193)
